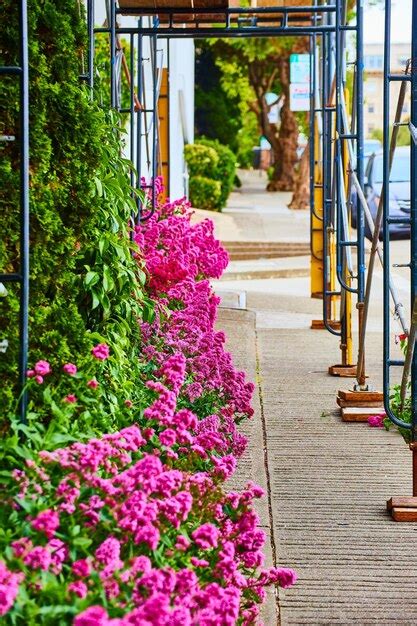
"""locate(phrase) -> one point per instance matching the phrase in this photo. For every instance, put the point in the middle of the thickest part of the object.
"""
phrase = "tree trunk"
(301, 196)
(285, 148)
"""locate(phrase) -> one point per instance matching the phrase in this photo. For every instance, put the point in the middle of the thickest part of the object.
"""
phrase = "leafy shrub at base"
(209, 161)
(205, 193)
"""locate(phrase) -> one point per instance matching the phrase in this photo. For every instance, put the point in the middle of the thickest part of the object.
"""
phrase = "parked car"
(399, 191)
(370, 146)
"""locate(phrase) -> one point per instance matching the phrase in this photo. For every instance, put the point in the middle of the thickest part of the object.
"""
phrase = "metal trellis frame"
(388, 219)
(402, 509)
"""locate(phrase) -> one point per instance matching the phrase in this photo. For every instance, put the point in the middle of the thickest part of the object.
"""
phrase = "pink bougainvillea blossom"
(42, 368)
(101, 351)
(377, 421)
(70, 398)
(9, 587)
(70, 368)
(46, 522)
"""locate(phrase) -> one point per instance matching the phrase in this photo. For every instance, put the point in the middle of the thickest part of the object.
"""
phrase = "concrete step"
(285, 267)
(248, 250)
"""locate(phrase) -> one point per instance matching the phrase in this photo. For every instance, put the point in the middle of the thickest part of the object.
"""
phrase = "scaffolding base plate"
(365, 404)
(343, 371)
(359, 414)
(319, 325)
(360, 399)
(403, 508)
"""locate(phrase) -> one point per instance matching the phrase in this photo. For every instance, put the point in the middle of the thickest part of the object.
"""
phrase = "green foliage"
(201, 160)
(225, 170)
(80, 202)
(403, 137)
(212, 169)
(205, 193)
(221, 105)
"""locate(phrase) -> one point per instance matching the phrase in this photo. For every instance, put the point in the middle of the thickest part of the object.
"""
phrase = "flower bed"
(134, 527)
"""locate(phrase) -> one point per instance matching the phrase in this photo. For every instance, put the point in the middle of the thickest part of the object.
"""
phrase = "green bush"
(209, 160)
(201, 160)
(205, 193)
(81, 264)
(225, 171)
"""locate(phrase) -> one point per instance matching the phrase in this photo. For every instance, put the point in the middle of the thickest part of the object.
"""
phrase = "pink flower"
(93, 384)
(377, 421)
(93, 616)
(206, 536)
(42, 368)
(46, 522)
(70, 368)
(167, 437)
(79, 588)
(284, 576)
(39, 379)
(38, 558)
(30, 373)
(70, 398)
(81, 568)
(21, 546)
(101, 351)
(129, 404)
(199, 562)
(9, 587)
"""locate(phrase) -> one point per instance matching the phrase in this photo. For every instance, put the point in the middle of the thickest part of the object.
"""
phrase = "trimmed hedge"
(205, 193)
(82, 268)
(209, 161)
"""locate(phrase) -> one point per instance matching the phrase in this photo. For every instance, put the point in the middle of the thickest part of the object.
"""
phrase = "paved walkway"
(327, 482)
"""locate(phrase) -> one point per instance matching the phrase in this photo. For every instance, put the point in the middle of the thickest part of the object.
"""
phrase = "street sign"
(300, 82)
(300, 68)
(299, 97)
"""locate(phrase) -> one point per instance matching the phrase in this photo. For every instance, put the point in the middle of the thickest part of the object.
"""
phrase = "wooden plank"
(360, 396)
(402, 502)
(344, 371)
(404, 515)
(319, 324)
(364, 404)
(359, 414)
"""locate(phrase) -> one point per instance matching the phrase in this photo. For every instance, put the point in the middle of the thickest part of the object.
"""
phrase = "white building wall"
(181, 111)
(179, 53)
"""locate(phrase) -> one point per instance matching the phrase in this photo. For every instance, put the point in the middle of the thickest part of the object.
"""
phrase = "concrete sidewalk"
(326, 481)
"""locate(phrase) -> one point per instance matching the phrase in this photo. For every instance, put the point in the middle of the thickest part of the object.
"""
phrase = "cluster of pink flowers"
(134, 528)
(176, 553)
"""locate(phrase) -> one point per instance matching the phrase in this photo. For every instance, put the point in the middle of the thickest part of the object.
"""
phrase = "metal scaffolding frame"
(411, 369)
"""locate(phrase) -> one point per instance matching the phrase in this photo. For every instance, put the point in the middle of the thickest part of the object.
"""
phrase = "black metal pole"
(413, 211)
(90, 29)
(113, 76)
(139, 120)
(24, 208)
(385, 196)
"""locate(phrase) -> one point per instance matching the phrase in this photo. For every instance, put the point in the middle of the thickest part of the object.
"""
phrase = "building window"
(371, 128)
(405, 107)
(371, 108)
(370, 86)
(374, 62)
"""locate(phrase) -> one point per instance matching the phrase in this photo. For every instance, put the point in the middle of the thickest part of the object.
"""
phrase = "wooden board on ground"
(359, 414)
(319, 324)
(343, 371)
(364, 404)
(360, 396)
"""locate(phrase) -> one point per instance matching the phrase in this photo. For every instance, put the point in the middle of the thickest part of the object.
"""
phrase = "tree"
(258, 67)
